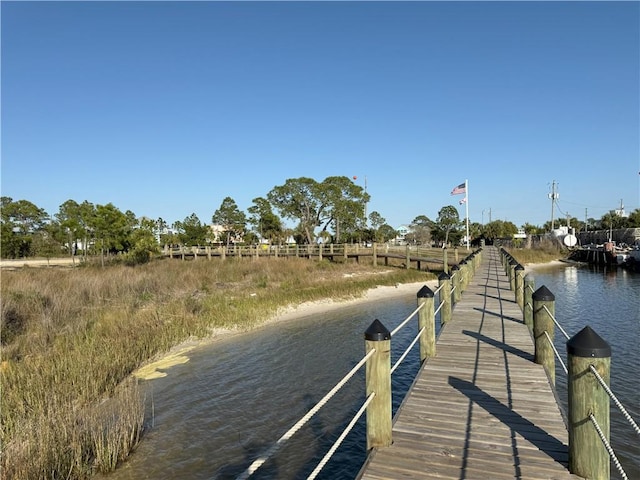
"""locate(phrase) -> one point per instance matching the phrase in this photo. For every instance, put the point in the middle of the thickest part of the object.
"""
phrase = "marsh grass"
(71, 339)
(543, 253)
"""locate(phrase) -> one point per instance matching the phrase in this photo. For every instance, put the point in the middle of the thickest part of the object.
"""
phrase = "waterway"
(211, 417)
(608, 300)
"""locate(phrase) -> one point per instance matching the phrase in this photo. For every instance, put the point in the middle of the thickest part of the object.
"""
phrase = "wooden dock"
(481, 408)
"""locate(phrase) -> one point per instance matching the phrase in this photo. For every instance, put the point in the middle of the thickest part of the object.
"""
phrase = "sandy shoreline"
(178, 354)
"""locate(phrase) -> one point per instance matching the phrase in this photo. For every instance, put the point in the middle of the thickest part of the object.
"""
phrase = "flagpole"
(466, 188)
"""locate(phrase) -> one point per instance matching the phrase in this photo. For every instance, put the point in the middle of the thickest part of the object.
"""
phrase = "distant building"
(401, 237)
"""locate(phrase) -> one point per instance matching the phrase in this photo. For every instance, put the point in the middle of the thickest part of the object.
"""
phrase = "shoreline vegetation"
(76, 342)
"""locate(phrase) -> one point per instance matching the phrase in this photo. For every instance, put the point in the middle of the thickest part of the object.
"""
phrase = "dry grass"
(72, 338)
(543, 253)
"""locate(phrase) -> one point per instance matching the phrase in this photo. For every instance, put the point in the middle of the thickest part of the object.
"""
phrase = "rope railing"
(608, 447)
(407, 350)
(555, 351)
(289, 433)
(341, 438)
(623, 410)
(406, 320)
(553, 317)
(373, 355)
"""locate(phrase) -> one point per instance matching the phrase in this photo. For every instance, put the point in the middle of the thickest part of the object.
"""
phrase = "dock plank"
(481, 408)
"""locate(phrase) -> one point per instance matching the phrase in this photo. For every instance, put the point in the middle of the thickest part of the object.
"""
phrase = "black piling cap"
(444, 276)
(519, 267)
(425, 292)
(377, 332)
(543, 294)
(588, 344)
(455, 267)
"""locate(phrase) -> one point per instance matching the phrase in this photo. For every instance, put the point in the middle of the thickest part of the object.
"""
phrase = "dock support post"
(464, 270)
(426, 320)
(519, 273)
(512, 274)
(378, 381)
(588, 457)
(529, 288)
(444, 281)
(456, 284)
(543, 322)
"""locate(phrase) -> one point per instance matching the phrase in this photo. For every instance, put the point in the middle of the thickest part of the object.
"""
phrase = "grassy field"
(72, 337)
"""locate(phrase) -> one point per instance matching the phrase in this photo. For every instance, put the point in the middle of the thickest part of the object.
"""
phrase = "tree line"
(330, 211)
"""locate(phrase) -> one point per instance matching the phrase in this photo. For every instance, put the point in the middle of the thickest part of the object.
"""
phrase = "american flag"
(460, 189)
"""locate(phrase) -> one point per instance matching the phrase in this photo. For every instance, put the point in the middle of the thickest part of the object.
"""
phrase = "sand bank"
(179, 354)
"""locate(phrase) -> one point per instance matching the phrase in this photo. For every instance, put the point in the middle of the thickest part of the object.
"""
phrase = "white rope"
(406, 352)
(340, 439)
(274, 448)
(564, 367)
(438, 289)
(399, 327)
(556, 322)
(612, 454)
(438, 309)
(615, 400)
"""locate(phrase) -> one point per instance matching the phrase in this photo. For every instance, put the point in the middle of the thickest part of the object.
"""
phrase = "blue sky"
(166, 108)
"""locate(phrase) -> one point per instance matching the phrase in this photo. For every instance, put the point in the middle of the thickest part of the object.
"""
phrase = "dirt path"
(38, 262)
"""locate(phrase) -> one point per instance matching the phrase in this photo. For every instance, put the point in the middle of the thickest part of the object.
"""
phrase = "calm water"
(214, 415)
(608, 300)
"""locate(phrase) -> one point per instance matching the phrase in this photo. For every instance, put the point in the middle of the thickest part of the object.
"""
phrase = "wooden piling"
(519, 274)
(444, 282)
(426, 320)
(529, 288)
(378, 380)
(542, 321)
(587, 455)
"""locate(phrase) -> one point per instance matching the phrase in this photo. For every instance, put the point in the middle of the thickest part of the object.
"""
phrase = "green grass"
(71, 339)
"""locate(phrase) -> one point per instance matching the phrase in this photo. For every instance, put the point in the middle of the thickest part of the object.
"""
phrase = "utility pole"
(586, 221)
(553, 195)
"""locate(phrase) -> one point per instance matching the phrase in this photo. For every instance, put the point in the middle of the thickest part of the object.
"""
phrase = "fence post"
(529, 288)
(588, 457)
(375, 254)
(408, 261)
(444, 281)
(378, 380)
(426, 320)
(519, 273)
(542, 321)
